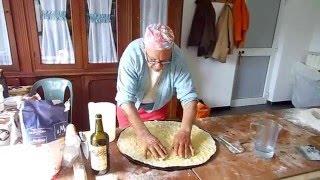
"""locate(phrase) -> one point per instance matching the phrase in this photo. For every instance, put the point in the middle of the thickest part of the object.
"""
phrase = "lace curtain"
(153, 11)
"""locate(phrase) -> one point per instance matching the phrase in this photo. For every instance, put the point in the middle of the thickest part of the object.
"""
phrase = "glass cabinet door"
(5, 52)
(53, 18)
(101, 30)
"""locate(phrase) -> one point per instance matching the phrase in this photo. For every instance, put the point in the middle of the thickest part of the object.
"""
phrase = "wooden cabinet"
(91, 82)
(99, 88)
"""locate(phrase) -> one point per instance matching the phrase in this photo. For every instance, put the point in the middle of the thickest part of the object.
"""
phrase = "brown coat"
(202, 32)
(224, 45)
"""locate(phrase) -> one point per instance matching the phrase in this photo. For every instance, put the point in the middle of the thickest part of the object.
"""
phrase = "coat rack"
(222, 1)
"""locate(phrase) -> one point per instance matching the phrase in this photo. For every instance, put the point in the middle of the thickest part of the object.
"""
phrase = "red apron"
(160, 114)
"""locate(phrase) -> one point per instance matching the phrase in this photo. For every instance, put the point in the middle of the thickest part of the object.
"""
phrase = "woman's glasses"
(152, 61)
(155, 61)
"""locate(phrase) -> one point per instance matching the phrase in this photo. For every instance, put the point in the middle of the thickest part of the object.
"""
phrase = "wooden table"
(121, 168)
(225, 165)
(286, 162)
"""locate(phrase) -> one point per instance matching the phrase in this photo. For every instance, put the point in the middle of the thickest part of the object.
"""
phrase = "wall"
(295, 32)
(315, 41)
(213, 80)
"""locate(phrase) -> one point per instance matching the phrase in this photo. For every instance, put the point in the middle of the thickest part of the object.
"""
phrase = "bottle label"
(98, 155)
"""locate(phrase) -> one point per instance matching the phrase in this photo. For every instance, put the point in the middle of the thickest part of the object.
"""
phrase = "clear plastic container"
(266, 137)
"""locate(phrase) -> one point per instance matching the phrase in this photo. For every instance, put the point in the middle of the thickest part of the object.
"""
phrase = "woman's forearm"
(132, 114)
(189, 114)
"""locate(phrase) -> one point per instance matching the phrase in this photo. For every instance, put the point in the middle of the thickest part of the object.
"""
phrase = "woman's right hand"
(151, 145)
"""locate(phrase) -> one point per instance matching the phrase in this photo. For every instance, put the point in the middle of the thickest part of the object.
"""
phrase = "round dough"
(203, 144)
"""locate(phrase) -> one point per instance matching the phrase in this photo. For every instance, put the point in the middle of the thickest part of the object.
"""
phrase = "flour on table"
(310, 118)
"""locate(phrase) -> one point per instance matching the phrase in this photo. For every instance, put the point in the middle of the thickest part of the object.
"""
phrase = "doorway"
(253, 63)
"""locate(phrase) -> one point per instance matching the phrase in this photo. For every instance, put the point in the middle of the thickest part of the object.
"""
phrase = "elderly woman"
(151, 70)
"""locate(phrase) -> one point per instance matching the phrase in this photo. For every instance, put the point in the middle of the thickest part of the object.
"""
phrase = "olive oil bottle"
(99, 152)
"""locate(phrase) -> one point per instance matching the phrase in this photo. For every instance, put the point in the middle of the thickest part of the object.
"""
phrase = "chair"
(54, 89)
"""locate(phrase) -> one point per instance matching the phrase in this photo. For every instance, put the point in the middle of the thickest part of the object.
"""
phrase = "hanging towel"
(202, 32)
(241, 21)
(224, 45)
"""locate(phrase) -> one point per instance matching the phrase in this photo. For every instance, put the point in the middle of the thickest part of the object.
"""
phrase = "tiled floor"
(249, 109)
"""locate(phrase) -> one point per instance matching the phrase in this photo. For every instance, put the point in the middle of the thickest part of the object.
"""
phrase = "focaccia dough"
(203, 144)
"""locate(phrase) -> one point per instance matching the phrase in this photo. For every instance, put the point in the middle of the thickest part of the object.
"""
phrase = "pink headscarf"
(158, 37)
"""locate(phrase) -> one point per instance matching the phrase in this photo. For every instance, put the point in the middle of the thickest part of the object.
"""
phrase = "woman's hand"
(152, 145)
(182, 146)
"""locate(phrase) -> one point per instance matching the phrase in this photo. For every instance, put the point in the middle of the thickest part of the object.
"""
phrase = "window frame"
(35, 45)
(128, 29)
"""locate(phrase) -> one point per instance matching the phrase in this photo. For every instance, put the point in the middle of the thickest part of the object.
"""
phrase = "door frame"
(272, 52)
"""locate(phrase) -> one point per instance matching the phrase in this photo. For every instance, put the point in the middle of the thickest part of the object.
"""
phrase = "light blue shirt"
(133, 78)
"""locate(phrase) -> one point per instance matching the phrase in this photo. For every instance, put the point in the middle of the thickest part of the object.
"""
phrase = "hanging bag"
(203, 110)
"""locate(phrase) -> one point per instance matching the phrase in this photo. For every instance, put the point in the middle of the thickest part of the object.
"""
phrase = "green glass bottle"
(99, 153)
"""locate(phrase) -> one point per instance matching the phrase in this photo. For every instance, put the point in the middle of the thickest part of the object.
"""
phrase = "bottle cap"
(98, 116)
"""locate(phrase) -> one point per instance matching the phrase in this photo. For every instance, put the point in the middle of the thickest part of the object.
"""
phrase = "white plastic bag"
(306, 87)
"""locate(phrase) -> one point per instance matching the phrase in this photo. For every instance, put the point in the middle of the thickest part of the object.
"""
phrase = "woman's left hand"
(182, 146)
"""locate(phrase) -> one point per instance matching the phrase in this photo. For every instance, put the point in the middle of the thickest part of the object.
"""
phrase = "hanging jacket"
(241, 21)
(224, 45)
(202, 32)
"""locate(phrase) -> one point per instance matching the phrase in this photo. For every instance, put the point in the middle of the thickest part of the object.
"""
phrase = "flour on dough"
(203, 144)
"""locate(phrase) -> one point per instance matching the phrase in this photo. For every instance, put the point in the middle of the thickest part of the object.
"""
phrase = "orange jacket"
(241, 21)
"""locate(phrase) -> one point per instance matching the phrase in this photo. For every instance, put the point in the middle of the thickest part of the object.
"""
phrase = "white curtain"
(101, 46)
(5, 53)
(153, 11)
(56, 44)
